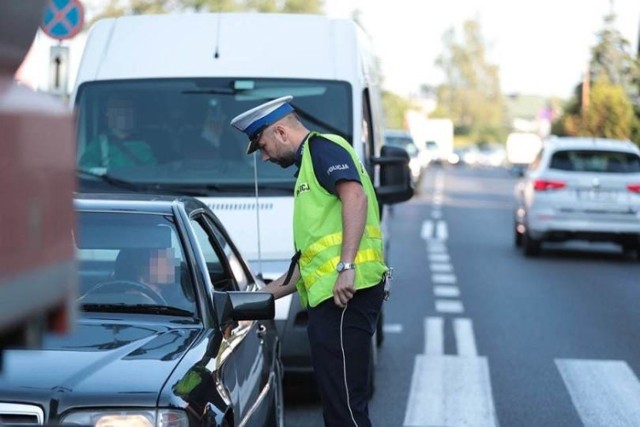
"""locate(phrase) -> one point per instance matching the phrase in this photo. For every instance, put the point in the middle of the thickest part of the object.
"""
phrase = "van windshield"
(176, 132)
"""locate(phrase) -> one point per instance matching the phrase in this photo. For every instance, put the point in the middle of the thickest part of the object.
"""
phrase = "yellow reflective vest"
(317, 232)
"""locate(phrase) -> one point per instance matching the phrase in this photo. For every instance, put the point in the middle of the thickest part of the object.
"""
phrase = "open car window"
(130, 260)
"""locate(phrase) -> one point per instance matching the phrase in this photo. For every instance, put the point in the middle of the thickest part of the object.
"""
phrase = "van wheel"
(631, 251)
(531, 246)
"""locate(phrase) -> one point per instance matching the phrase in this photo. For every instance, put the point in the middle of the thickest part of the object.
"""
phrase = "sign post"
(62, 20)
(59, 70)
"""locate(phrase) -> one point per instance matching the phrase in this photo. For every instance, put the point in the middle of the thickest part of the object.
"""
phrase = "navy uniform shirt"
(331, 163)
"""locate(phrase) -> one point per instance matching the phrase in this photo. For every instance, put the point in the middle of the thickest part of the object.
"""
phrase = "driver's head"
(131, 264)
(152, 266)
(162, 267)
(120, 115)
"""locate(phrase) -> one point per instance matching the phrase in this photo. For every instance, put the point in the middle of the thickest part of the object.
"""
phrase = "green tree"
(394, 107)
(612, 57)
(610, 113)
(613, 79)
(471, 94)
(115, 8)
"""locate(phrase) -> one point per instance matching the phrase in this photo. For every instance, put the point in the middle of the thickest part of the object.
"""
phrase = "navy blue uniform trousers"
(340, 342)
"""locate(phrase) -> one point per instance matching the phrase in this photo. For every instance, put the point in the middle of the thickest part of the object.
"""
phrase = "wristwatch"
(342, 266)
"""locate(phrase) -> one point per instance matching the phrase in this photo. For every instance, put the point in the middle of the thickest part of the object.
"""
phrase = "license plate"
(597, 195)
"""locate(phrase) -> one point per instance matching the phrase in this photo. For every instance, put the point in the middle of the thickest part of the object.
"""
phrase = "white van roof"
(225, 45)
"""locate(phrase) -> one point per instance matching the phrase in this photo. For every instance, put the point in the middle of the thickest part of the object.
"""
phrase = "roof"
(134, 202)
(220, 45)
(397, 132)
(590, 143)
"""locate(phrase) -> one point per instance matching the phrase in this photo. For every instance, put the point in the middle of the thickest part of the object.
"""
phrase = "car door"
(242, 360)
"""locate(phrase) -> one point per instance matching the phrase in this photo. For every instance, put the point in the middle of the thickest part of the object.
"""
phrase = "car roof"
(397, 132)
(591, 143)
(136, 202)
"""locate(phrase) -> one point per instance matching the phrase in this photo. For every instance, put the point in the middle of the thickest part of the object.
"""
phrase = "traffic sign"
(63, 19)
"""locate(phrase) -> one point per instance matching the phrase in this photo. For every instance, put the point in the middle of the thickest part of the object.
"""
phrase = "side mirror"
(396, 184)
(235, 305)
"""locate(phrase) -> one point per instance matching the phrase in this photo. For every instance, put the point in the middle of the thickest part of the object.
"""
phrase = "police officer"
(339, 266)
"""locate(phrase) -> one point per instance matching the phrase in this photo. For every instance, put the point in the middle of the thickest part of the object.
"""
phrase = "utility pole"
(586, 83)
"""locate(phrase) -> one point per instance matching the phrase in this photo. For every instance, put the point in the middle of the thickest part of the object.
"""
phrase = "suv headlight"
(128, 418)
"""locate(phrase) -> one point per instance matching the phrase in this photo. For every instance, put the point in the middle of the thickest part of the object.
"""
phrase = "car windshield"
(177, 132)
(595, 161)
(131, 262)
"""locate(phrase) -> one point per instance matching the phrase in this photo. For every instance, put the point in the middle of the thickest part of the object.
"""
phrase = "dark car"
(172, 328)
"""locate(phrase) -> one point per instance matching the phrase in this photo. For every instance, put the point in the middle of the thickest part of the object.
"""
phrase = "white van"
(186, 76)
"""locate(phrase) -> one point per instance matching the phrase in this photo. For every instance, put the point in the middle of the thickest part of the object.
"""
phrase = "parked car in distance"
(418, 161)
(580, 188)
(490, 155)
(172, 328)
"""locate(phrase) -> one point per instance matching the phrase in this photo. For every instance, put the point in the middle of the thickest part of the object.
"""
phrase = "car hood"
(99, 358)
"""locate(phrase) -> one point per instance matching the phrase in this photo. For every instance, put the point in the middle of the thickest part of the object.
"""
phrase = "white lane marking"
(283, 305)
(444, 278)
(427, 229)
(449, 306)
(450, 391)
(436, 214)
(441, 230)
(604, 392)
(441, 267)
(392, 328)
(434, 336)
(439, 258)
(436, 246)
(444, 291)
(465, 339)
(437, 199)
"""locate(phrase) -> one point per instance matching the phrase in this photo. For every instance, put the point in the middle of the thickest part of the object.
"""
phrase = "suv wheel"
(531, 245)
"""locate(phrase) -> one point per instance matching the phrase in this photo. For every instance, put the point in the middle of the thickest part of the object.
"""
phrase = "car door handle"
(261, 330)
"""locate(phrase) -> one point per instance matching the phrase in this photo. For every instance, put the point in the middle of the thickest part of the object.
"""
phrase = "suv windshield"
(595, 161)
(133, 262)
(176, 132)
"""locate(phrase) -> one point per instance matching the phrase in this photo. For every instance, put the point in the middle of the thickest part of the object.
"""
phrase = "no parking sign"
(63, 19)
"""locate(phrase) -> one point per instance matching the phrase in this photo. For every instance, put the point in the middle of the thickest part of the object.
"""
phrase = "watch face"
(340, 266)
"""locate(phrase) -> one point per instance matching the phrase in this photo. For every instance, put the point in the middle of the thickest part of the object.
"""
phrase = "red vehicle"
(37, 267)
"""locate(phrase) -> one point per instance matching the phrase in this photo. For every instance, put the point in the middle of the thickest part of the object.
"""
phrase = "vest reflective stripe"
(335, 239)
(318, 232)
(329, 266)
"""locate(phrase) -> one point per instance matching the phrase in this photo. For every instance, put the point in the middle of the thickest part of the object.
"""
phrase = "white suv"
(580, 188)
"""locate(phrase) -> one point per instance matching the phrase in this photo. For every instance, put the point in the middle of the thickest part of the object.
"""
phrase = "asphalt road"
(479, 335)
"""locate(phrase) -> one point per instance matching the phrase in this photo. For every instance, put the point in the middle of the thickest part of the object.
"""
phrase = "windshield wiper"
(137, 308)
(280, 186)
(189, 190)
(149, 188)
(115, 182)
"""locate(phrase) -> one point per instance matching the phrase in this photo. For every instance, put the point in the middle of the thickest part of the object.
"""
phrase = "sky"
(542, 47)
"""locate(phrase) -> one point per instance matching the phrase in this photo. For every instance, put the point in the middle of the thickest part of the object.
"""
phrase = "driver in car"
(154, 267)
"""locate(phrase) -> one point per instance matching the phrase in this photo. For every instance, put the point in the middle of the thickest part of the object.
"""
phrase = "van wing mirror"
(396, 184)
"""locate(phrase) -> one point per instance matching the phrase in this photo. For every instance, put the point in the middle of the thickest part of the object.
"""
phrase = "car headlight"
(128, 418)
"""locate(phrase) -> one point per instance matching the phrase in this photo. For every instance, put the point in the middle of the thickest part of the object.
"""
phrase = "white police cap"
(255, 120)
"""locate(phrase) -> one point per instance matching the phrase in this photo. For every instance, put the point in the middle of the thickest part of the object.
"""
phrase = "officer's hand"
(344, 288)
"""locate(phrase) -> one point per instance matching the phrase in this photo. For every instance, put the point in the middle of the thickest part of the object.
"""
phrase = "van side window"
(367, 131)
